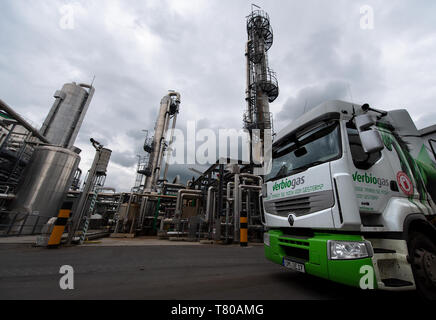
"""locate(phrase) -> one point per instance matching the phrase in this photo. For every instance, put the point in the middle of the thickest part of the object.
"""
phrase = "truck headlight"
(266, 239)
(346, 250)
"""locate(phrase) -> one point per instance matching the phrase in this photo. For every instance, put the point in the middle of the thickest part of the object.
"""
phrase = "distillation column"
(169, 108)
(262, 85)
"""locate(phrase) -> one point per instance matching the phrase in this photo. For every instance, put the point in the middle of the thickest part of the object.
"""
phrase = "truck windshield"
(306, 149)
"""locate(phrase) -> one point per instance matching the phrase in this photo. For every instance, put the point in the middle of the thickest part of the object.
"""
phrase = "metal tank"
(103, 161)
(67, 113)
(41, 192)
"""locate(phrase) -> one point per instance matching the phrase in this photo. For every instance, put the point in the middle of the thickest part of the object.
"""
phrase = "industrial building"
(39, 168)
(39, 172)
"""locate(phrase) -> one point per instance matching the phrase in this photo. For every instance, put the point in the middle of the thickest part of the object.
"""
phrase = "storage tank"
(103, 161)
(46, 181)
(67, 113)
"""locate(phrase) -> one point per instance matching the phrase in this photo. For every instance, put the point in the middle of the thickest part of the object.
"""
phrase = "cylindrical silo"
(103, 161)
(46, 181)
(67, 113)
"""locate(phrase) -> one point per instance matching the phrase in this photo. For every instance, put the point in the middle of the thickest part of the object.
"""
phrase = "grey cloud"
(319, 50)
(311, 97)
(124, 159)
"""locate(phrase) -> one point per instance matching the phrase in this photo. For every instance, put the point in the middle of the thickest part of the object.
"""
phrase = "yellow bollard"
(59, 227)
(243, 229)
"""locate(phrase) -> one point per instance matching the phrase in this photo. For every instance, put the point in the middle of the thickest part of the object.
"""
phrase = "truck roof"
(324, 108)
(428, 131)
(400, 119)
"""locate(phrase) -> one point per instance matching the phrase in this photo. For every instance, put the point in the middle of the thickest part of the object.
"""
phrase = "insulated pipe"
(7, 196)
(195, 196)
(180, 193)
(245, 186)
(236, 208)
(238, 197)
(228, 201)
(174, 185)
(23, 122)
(210, 191)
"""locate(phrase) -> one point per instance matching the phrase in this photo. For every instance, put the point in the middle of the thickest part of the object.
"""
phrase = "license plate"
(296, 266)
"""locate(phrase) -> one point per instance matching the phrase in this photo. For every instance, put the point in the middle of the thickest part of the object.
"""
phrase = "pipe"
(210, 191)
(180, 193)
(174, 185)
(245, 186)
(238, 197)
(228, 201)
(23, 122)
(7, 196)
(236, 208)
(167, 162)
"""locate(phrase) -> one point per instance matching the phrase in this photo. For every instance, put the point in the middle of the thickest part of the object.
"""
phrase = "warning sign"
(405, 183)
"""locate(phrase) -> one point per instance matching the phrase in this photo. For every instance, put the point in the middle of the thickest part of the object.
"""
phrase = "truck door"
(372, 175)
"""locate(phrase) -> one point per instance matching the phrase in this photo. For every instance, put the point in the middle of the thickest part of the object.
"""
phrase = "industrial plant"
(345, 192)
(42, 188)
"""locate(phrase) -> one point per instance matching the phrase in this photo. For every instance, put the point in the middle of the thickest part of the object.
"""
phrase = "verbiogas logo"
(288, 184)
(370, 179)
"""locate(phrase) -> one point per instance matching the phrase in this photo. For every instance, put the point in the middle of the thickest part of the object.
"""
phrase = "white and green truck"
(351, 197)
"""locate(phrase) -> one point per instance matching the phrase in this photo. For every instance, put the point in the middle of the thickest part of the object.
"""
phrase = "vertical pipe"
(134, 217)
(228, 202)
(236, 208)
(169, 147)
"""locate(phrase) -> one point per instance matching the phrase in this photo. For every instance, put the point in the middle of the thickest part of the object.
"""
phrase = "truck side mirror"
(371, 139)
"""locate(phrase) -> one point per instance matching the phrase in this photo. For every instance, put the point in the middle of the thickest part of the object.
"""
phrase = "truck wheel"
(422, 251)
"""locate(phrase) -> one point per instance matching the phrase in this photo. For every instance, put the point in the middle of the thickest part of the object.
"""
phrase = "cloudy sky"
(138, 49)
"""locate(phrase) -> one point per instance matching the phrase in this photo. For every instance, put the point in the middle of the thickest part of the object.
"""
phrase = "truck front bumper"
(312, 252)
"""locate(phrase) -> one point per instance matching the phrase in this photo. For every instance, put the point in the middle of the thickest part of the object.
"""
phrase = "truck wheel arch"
(417, 222)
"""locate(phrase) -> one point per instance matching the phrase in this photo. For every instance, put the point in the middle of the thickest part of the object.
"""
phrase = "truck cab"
(351, 196)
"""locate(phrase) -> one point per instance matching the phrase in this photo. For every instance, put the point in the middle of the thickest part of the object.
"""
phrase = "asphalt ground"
(180, 272)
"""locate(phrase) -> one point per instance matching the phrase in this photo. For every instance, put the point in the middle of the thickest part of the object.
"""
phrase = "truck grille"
(301, 205)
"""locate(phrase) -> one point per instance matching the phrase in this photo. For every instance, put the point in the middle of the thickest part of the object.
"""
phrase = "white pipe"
(7, 196)
(236, 208)
(228, 201)
(180, 193)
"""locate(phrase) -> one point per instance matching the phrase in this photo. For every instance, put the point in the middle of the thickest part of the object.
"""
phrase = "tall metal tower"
(262, 85)
(65, 118)
(169, 109)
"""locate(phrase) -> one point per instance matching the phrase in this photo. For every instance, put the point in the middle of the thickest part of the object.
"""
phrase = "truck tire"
(422, 254)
